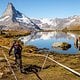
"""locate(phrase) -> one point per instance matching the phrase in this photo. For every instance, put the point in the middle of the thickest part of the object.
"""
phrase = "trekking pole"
(44, 61)
(9, 65)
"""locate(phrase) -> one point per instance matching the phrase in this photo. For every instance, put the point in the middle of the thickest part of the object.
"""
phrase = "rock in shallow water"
(61, 45)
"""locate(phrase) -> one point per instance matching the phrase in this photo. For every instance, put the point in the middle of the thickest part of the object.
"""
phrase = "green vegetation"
(13, 34)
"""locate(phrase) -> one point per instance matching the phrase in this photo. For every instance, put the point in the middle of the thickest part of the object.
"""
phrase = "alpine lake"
(45, 40)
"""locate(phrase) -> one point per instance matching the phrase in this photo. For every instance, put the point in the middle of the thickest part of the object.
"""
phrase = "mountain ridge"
(13, 19)
(71, 23)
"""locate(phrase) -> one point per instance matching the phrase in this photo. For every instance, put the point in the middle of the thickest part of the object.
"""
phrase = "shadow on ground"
(33, 69)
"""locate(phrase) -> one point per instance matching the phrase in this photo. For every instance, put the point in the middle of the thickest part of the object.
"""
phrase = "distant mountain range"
(12, 19)
(70, 23)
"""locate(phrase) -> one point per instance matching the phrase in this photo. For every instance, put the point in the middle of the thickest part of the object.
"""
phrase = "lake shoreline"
(48, 39)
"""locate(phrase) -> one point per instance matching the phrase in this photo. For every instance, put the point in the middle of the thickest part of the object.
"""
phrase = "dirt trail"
(5, 68)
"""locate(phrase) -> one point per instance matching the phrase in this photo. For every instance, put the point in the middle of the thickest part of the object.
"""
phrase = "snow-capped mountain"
(13, 19)
(71, 23)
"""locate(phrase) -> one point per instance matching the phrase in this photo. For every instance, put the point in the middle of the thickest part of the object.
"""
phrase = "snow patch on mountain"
(23, 19)
(4, 18)
(70, 21)
(46, 20)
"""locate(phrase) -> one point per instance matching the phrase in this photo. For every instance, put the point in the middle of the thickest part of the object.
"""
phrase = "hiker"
(17, 53)
(77, 42)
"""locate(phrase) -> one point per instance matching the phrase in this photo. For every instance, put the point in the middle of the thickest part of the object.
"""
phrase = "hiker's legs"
(19, 60)
(20, 63)
(16, 62)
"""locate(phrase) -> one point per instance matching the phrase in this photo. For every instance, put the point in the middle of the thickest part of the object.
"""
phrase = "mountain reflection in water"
(46, 39)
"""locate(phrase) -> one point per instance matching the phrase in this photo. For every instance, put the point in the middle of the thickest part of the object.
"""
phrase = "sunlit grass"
(30, 57)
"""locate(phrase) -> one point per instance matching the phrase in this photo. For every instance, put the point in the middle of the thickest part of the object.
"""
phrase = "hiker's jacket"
(17, 48)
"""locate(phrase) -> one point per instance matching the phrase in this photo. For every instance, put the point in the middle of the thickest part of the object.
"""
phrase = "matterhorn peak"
(14, 19)
(11, 11)
(10, 5)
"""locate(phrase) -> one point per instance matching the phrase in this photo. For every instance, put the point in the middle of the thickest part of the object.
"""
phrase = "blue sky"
(44, 8)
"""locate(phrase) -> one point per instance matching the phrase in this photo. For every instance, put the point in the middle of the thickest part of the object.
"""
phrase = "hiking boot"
(22, 71)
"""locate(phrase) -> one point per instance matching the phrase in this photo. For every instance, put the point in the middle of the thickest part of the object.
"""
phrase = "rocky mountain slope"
(13, 19)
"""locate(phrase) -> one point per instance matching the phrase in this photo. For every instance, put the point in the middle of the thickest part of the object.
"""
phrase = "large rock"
(2, 59)
(1, 75)
(61, 45)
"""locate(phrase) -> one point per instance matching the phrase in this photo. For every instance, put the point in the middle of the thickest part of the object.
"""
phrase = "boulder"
(2, 59)
(1, 75)
(61, 45)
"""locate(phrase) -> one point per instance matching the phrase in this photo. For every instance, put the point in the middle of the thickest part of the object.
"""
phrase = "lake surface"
(46, 39)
